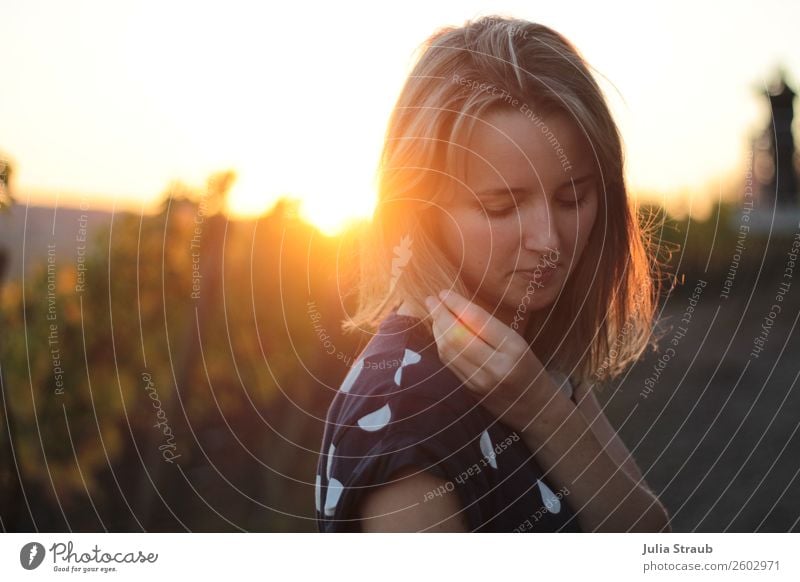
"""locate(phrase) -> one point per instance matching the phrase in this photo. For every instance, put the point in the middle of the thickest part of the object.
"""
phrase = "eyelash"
(507, 211)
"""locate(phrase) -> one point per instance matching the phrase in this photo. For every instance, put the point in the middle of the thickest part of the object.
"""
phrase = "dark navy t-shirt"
(400, 407)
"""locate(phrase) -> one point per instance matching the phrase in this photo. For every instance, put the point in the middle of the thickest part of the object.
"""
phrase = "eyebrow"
(516, 191)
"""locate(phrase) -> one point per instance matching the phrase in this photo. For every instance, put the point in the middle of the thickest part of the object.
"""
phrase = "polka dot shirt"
(398, 408)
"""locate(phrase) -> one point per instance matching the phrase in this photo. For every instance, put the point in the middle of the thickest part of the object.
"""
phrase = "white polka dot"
(331, 450)
(551, 502)
(332, 496)
(409, 357)
(376, 420)
(488, 449)
(318, 492)
(352, 375)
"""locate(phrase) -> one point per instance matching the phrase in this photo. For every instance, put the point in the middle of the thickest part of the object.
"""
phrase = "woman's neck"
(407, 308)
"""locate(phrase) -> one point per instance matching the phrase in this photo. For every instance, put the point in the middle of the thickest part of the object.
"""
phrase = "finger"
(459, 336)
(471, 376)
(452, 350)
(490, 329)
(452, 338)
(456, 330)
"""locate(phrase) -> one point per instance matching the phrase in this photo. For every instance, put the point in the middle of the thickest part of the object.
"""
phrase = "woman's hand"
(491, 359)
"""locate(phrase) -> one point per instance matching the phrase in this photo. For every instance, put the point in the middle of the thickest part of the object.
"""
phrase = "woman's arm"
(401, 507)
(590, 408)
(497, 364)
(603, 491)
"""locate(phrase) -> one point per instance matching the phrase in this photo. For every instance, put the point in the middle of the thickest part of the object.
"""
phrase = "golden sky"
(114, 100)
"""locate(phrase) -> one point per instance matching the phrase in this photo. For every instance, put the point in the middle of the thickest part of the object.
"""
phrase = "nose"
(540, 228)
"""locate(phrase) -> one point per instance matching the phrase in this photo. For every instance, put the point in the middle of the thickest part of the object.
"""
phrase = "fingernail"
(443, 294)
(429, 302)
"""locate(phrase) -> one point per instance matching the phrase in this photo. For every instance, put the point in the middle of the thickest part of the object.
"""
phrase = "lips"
(543, 274)
(542, 268)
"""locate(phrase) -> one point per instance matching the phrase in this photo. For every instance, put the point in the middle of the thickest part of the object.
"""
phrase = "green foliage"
(185, 315)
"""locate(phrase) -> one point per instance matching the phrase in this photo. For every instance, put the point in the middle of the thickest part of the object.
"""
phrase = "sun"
(329, 209)
(332, 213)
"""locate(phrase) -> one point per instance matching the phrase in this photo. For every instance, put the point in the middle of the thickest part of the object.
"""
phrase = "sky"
(106, 103)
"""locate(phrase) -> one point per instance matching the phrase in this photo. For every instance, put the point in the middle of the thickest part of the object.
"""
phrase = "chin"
(539, 299)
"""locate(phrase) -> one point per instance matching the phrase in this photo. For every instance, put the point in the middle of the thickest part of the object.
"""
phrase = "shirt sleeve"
(428, 436)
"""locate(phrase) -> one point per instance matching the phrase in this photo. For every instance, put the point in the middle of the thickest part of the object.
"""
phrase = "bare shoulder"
(401, 506)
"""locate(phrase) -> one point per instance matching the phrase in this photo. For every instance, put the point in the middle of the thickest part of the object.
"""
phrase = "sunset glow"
(102, 100)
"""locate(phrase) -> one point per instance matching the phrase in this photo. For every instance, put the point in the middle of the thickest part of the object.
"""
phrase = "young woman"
(507, 276)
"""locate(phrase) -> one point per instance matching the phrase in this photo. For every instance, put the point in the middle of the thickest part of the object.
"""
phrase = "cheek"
(489, 245)
(462, 236)
(479, 247)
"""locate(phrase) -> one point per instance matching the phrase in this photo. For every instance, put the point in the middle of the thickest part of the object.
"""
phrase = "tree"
(6, 172)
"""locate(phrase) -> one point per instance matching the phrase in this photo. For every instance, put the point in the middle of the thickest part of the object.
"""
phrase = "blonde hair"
(602, 320)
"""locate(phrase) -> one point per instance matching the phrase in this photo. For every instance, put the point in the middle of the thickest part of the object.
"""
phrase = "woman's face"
(529, 199)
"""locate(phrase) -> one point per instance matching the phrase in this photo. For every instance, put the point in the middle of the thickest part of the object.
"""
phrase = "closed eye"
(497, 212)
(574, 202)
(575, 198)
(507, 211)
